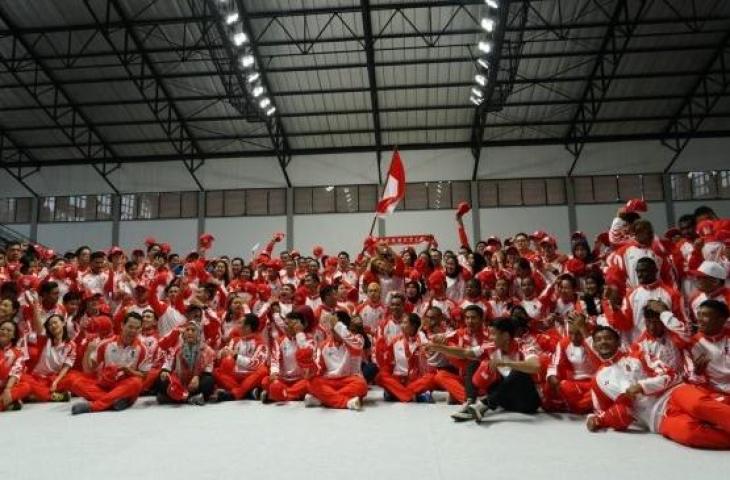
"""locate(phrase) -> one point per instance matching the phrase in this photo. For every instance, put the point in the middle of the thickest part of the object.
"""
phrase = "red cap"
(331, 262)
(294, 254)
(115, 251)
(264, 291)
(575, 266)
(279, 236)
(206, 240)
(165, 248)
(635, 205)
(28, 282)
(317, 251)
(149, 241)
(538, 235)
(462, 209)
(549, 240)
(101, 325)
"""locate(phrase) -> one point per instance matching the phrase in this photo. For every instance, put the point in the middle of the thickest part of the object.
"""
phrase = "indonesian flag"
(395, 187)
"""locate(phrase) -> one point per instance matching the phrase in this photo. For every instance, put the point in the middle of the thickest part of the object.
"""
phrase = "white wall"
(21, 228)
(513, 162)
(505, 222)
(334, 232)
(180, 234)
(234, 236)
(69, 236)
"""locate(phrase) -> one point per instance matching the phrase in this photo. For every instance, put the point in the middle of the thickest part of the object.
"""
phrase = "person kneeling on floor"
(187, 374)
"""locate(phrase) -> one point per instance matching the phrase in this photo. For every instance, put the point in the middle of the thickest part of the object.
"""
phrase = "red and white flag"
(395, 187)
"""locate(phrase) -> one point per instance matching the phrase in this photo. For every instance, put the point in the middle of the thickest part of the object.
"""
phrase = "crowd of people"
(632, 330)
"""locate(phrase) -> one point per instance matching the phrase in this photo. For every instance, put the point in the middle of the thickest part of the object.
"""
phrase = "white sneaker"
(311, 401)
(478, 410)
(463, 414)
(198, 400)
(354, 404)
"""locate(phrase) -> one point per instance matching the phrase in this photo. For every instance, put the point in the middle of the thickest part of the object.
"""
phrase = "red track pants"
(239, 384)
(697, 417)
(103, 397)
(336, 392)
(40, 387)
(285, 391)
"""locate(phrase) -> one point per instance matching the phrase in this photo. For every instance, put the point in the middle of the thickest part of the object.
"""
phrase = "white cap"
(712, 269)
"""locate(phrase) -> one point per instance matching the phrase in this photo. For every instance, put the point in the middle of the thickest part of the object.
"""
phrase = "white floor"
(385, 441)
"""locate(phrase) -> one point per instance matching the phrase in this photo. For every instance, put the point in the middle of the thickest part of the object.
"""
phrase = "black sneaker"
(424, 397)
(254, 394)
(121, 404)
(222, 396)
(15, 406)
(79, 408)
(389, 397)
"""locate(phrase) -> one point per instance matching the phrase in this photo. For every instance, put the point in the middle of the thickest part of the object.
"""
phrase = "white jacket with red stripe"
(616, 376)
(340, 358)
(284, 353)
(638, 298)
(251, 353)
(717, 373)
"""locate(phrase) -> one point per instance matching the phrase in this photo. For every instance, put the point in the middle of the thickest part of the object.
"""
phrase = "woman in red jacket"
(49, 378)
(11, 368)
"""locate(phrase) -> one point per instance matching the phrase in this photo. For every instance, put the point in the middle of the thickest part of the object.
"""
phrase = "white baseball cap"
(711, 269)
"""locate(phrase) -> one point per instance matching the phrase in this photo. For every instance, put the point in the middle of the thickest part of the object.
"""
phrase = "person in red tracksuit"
(121, 365)
(50, 377)
(404, 364)
(571, 371)
(340, 383)
(243, 363)
(627, 391)
(698, 414)
(12, 364)
(187, 374)
(292, 362)
(463, 348)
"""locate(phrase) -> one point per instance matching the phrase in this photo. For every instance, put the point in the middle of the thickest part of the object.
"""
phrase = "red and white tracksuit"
(110, 383)
(371, 314)
(292, 362)
(340, 377)
(638, 298)
(698, 414)
(49, 363)
(403, 368)
(624, 260)
(574, 367)
(241, 373)
(722, 294)
(12, 365)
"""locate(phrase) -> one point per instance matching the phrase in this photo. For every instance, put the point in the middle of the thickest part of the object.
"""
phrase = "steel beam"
(699, 102)
(369, 148)
(80, 132)
(613, 46)
(274, 125)
(367, 28)
(10, 152)
(154, 91)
